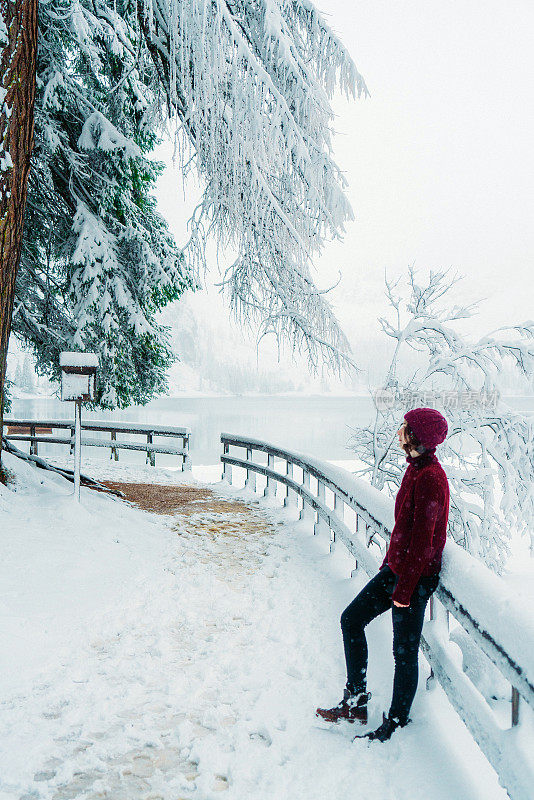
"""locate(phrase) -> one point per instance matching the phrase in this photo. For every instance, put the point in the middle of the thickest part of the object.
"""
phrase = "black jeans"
(374, 599)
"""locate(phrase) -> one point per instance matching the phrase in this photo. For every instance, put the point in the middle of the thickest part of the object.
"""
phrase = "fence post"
(250, 482)
(71, 440)
(150, 454)
(320, 525)
(432, 614)
(438, 613)
(515, 707)
(114, 452)
(33, 443)
(290, 498)
(354, 571)
(440, 616)
(339, 511)
(77, 448)
(269, 490)
(306, 512)
(339, 506)
(186, 458)
(227, 468)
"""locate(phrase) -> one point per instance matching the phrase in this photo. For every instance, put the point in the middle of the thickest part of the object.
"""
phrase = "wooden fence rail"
(468, 592)
(36, 431)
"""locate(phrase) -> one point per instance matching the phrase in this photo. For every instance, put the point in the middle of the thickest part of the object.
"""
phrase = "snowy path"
(206, 681)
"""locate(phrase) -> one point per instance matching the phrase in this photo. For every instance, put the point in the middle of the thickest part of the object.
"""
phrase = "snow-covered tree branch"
(250, 85)
(489, 452)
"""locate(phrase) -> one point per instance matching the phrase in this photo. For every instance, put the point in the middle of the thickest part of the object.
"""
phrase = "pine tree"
(98, 261)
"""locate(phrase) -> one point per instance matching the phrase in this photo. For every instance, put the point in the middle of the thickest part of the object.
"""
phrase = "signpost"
(78, 382)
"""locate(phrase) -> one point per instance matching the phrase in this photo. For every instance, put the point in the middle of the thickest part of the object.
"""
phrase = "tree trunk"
(18, 40)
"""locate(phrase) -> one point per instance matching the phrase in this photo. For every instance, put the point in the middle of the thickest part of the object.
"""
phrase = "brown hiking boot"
(353, 708)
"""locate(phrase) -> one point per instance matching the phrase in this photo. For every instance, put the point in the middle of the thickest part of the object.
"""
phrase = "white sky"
(439, 159)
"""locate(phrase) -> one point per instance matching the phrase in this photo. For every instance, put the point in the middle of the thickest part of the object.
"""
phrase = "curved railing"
(496, 637)
(35, 431)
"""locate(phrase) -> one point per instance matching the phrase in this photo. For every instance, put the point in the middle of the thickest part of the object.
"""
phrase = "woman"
(407, 577)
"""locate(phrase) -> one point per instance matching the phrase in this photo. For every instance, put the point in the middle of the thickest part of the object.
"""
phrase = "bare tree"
(18, 39)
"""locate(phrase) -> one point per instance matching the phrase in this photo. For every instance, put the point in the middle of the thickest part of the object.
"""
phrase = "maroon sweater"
(420, 530)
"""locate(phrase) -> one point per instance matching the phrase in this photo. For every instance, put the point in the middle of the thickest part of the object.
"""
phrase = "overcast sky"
(439, 159)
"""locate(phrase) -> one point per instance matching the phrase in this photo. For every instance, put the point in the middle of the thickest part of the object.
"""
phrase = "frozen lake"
(318, 425)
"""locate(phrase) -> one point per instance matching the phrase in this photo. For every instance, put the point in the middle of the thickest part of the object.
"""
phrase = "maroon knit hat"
(429, 425)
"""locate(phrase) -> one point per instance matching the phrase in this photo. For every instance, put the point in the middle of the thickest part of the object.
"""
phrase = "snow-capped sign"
(67, 359)
(78, 375)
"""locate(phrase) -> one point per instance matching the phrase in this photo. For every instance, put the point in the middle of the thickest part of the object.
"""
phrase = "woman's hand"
(401, 605)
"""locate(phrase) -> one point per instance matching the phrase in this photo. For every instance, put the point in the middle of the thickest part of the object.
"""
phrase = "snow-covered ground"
(160, 657)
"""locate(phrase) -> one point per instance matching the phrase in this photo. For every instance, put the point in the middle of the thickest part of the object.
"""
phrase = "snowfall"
(143, 659)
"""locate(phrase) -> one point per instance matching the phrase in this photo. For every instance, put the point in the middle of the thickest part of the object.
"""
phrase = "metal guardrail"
(35, 431)
(373, 526)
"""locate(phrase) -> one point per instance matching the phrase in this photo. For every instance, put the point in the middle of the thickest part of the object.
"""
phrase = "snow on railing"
(35, 431)
(495, 633)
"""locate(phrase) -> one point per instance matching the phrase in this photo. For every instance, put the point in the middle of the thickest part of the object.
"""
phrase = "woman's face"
(401, 434)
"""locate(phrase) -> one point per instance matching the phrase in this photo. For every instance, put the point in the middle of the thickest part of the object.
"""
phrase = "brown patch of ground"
(168, 499)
